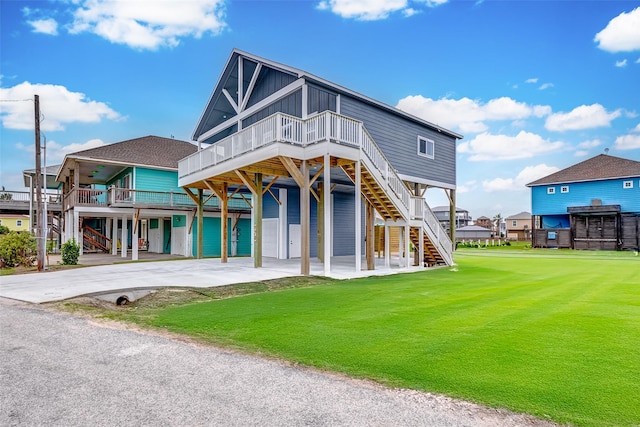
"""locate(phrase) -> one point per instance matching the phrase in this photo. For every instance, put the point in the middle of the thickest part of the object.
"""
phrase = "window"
(426, 147)
(551, 190)
(564, 189)
(514, 223)
(18, 223)
(627, 184)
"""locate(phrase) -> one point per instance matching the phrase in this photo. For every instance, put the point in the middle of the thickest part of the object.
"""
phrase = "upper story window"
(551, 190)
(426, 147)
(627, 184)
(564, 189)
(514, 223)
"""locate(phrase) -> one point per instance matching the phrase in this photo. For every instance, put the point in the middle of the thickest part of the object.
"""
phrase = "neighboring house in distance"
(519, 226)
(594, 204)
(473, 232)
(320, 160)
(484, 221)
(125, 196)
(463, 218)
(15, 222)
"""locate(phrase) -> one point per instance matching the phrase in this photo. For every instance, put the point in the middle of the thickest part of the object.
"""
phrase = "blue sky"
(534, 86)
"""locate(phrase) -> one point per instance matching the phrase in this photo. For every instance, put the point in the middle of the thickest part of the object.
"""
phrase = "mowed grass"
(551, 333)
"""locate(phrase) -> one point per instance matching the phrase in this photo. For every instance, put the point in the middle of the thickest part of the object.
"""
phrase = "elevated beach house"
(319, 161)
(594, 204)
(124, 197)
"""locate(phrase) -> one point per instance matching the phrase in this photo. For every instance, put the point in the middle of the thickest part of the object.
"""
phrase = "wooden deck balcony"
(323, 128)
(21, 201)
(126, 198)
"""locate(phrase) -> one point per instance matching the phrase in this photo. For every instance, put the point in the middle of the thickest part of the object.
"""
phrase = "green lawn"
(552, 333)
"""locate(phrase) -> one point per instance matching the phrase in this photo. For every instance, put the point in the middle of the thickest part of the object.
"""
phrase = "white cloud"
(45, 26)
(592, 143)
(637, 128)
(467, 187)
(621, 64)
(524, 145)
(527, 175)
(638, 61)
(56, 151)
(582, 117)
(58, 106)
(373, 10)
(580, 153)
(468, 115)
(627, 142)
(532, 80)
(545, 86)
(622, 33)
(144, 25)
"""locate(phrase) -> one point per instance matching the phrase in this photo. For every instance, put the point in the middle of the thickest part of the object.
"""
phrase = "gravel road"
(60, 370)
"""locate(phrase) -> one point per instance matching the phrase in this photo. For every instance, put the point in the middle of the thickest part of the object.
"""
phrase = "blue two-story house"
(594, 204)
(320, 161)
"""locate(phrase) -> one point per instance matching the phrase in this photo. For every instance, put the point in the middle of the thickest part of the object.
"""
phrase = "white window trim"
(564, 189)
(18, 223)
(551, 190)
(427, 143)
(627, 184)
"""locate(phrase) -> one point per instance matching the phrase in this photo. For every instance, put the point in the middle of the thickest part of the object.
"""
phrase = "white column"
(123, 237)
(327, 214)
(282, 224)
(407, 240)
(114, 236)
(134, 238)
(76, 231)
(387, 247)
(421, 259)
(400, 246)
(358, 218)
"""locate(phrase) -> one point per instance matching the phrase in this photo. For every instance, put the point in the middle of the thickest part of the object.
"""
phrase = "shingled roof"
(596, 168)
(148, 151)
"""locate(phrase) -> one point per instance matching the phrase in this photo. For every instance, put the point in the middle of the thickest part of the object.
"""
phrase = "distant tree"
(497, 220)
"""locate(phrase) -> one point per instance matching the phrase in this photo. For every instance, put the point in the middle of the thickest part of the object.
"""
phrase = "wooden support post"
(123, 238)
(114, 236)
(421, 251)
(370, 232)
(387, 247)
(321, 221)
(452, 217)
(326, 197)
(407, 243)
(224, 222)
(134, 236)
(200, 238)
(305, 220)
(358, 216)
(257, 226)
(416, 252)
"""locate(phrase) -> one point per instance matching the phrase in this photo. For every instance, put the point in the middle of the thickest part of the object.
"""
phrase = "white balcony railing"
(326, 126)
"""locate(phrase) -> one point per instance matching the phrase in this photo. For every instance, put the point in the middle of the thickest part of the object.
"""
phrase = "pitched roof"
(596, 168)
(521, 215)
(201, 127)
(148, 151)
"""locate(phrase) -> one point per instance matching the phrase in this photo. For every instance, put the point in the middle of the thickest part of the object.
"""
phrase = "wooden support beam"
(293, 170)
(247, 201)
(321, 221)
(274, 197)
(236, 190)
(452, 217)
(305, 217)
(200, 236)
(249, 182)
(327, 214)
(224, 223)
(370, 232)
(136, 217)
(275, 178)
(256, 185)
(358, 216)
(190, 194)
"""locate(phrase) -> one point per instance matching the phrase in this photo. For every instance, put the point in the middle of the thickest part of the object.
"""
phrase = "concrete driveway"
(202, 273)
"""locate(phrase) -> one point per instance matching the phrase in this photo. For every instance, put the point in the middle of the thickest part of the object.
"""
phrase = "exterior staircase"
(380, 184)
(94, 241)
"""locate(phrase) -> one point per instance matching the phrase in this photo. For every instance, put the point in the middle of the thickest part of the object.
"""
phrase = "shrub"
(70, 252)
(4, 229)
(18, 249)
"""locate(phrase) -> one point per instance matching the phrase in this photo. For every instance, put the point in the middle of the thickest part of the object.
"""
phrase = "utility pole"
(40, 235)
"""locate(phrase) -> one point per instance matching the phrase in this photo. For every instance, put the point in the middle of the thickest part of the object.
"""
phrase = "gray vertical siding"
(319, 100)
(397, 137)
(291, 105)
(269, 82)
